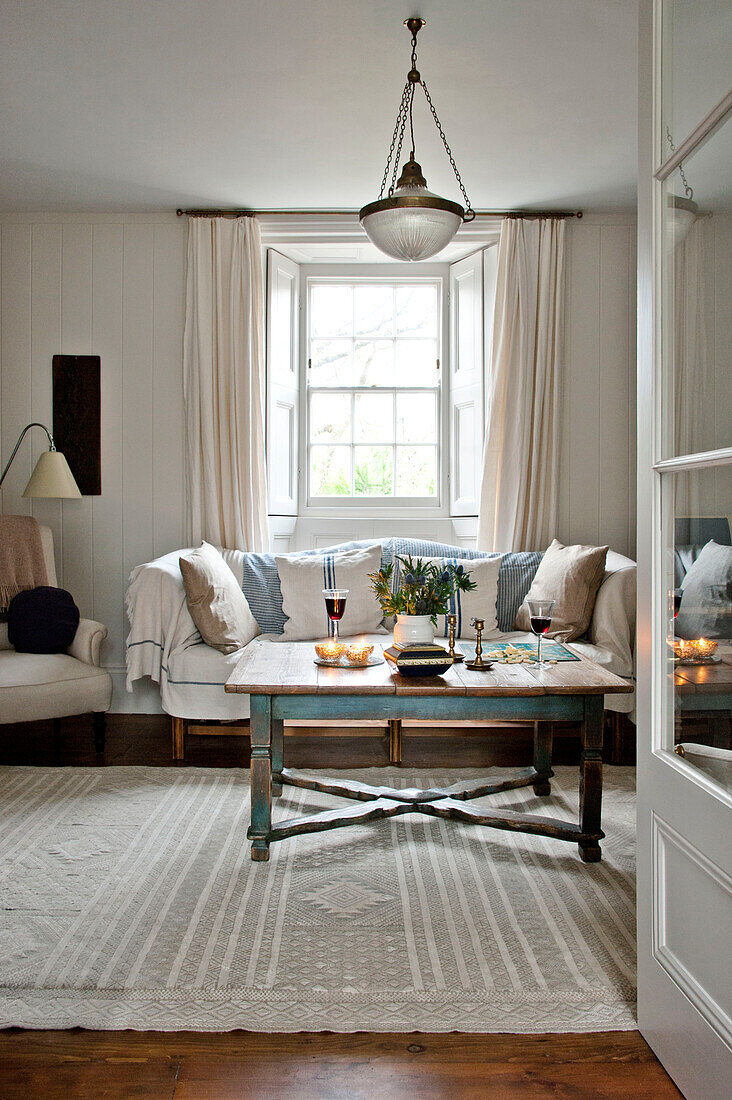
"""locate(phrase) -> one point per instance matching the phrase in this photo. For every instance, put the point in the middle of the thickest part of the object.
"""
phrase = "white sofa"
(164, 644)
(38, 686)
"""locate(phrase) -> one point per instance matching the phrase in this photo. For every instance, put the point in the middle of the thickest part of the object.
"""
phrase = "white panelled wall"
(113, 285)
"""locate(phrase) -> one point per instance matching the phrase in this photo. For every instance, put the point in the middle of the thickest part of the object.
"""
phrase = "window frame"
(375, 507)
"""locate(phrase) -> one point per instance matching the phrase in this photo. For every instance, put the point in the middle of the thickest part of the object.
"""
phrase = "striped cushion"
(514, 578)
(261, 582)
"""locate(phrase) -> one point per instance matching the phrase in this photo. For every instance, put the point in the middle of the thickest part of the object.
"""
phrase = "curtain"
(224, 385)
(518, 498)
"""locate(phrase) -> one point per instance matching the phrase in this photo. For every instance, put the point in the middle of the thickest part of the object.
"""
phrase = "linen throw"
(22, 564)
(224, 385)
(519, 490)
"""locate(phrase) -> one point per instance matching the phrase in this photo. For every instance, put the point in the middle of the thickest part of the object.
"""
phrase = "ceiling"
(277, 104)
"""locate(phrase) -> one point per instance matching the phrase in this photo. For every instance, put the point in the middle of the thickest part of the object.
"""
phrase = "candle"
(359, 652)
(330, 650)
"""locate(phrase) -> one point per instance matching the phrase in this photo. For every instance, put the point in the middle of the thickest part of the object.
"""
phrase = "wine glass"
(540, 619)
(335, 605)
(676, 594)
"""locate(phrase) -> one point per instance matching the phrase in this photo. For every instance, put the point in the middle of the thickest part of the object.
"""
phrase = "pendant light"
(410, 222)
(681, 213)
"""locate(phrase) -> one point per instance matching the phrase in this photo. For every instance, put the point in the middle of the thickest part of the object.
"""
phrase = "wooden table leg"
(591, 776)
(395, 740)
(260, 726)
(543, 738)
(278, 748)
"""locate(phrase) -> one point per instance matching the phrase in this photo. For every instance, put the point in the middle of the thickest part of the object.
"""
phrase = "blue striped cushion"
(261, 582)
(514, 577)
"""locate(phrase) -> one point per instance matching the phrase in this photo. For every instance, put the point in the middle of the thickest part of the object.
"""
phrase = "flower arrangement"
(424, 588)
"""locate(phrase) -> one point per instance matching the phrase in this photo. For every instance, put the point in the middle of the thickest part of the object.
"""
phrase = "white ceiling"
(275, 104)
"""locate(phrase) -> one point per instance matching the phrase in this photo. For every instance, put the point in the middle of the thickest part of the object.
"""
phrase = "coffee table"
(284, 684)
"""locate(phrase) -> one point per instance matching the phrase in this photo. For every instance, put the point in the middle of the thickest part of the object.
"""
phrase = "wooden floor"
(241, 1065)
(188, 1066)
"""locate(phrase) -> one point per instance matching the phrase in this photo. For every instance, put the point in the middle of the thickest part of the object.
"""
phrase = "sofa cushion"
(571, 576)
(514, 577)
(303, 578)
(478, 602)
(706, 601)
(215, 600)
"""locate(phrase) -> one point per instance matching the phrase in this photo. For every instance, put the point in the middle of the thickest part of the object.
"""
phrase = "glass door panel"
(696, 71)
(697, 290)
(697, 610)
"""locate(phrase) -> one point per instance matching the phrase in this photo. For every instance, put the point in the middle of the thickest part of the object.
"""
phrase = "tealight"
(705, 647)
(330, 650)
(358, 653)
(689, 649)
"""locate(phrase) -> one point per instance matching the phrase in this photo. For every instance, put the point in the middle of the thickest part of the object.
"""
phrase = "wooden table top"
(288, 668)
(704, 679)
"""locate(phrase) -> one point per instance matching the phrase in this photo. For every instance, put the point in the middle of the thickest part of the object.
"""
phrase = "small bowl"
(358, 654)
(330, 651)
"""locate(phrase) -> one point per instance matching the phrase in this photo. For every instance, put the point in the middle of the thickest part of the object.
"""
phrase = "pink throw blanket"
(22, 564)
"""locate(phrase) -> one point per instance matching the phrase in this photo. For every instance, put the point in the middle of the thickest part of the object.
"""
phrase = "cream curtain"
(518, 500)
(224, 385)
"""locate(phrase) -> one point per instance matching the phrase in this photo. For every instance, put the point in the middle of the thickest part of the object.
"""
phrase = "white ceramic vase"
(411, 629)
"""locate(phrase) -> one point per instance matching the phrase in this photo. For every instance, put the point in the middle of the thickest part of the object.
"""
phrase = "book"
(416, 657)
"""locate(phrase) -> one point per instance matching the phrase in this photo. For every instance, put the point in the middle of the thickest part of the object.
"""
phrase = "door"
(684, 553)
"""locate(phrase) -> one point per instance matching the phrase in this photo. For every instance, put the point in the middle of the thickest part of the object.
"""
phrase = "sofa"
(164, 644)
(38, 686)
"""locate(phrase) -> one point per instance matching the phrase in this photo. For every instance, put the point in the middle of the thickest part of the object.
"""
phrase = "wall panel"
(107, 285)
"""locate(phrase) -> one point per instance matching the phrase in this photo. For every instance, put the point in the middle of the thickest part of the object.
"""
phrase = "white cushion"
(36, 686)
(479, 602)
(302, 580)
(705, 610)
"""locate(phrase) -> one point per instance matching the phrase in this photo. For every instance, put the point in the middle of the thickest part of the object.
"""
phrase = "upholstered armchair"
(38, 686)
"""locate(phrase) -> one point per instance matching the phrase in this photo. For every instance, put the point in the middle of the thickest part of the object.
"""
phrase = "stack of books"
(418, 659)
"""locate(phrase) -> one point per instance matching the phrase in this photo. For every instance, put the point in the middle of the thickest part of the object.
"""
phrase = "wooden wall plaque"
(77, 410)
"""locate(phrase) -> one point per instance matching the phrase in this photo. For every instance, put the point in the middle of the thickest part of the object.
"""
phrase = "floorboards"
(243, 1065)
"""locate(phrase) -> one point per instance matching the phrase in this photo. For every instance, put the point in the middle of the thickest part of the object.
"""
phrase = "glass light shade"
(412, 223)
(52, 478)
(680, 216)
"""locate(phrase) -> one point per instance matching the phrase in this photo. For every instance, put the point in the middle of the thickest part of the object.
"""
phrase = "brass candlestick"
(455, 654)
(479, 665)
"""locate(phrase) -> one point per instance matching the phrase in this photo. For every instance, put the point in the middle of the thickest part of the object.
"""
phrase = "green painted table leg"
(591, 777)
(260, 724)
(278, 746)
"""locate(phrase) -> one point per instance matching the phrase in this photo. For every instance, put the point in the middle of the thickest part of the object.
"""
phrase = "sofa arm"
(87, 642)
(613, 620)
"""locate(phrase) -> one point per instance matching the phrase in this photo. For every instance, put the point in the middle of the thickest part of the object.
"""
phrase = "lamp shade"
(52, 478)
(412, 223)
(680, 216)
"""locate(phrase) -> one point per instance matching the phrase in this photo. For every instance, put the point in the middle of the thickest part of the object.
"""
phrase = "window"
(373, 390)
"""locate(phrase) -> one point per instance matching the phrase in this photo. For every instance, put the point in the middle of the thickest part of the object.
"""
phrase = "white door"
(684, 552)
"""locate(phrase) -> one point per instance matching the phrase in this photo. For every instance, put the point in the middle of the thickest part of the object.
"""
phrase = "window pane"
(696, 39)
(330, 363)
(330, 471)
(331, 310)
(697, 596)
(416, 363)
(415, 472)
(373, 475)
(373, 310)
(416, 418)
(374, 418)
(697, 266)
(373, 363)
(330, 418)
(416, 311)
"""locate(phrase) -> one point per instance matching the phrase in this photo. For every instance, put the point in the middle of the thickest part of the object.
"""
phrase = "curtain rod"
(351, 213)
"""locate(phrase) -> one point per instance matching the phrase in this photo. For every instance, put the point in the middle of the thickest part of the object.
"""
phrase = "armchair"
(37, 686)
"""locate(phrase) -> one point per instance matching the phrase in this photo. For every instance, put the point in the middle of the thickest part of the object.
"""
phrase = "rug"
(128, 900)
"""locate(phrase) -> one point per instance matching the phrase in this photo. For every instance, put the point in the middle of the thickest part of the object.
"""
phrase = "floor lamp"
(51, 476)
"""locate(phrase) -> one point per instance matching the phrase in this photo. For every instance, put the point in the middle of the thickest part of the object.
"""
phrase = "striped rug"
(128, 900)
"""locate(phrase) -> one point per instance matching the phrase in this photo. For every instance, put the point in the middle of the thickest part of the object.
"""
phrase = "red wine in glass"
(540, 619)
(677, 594)
(335, 606)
